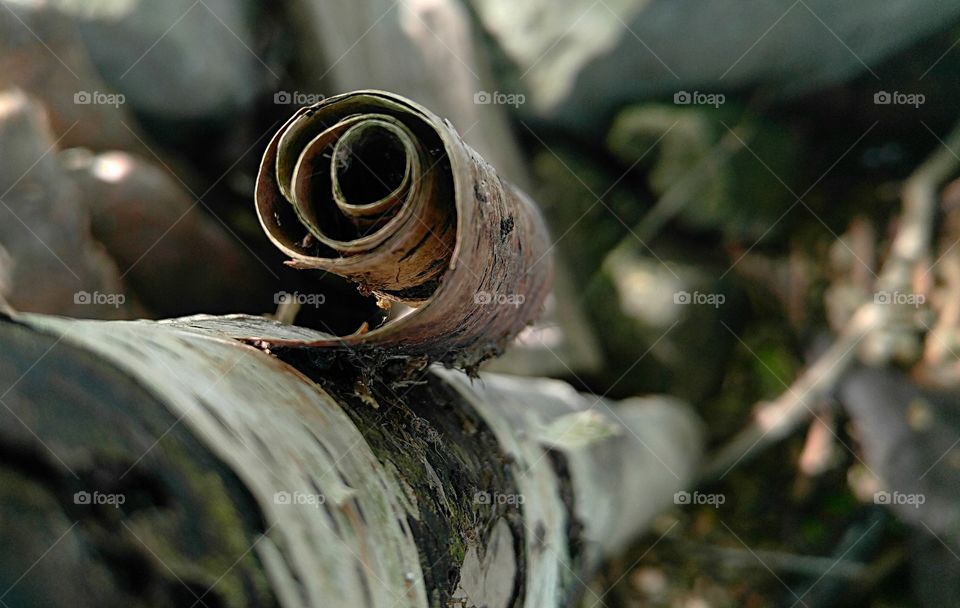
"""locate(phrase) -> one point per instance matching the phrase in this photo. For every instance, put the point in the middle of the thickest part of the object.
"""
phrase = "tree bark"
(174, 463)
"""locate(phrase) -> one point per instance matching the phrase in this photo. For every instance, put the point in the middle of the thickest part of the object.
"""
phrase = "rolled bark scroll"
(375, 188)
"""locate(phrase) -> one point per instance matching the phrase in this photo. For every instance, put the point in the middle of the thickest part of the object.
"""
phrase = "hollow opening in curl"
(370, 162)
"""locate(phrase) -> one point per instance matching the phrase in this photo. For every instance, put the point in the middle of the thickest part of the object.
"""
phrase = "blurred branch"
(778, 561)
(776, 420)
(788, 412)
(912, 240)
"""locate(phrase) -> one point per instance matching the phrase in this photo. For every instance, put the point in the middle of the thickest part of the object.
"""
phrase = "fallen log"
(173, 463)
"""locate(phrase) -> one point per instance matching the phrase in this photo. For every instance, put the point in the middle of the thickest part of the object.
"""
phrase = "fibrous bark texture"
(375, 188)
(240, 478)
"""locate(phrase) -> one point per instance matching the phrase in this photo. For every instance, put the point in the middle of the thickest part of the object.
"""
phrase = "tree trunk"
(175, 463)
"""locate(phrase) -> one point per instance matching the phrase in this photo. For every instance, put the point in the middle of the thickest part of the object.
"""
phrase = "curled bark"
(438, 58)
(375, 188)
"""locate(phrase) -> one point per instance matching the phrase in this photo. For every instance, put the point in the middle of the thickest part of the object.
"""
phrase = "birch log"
(168, 463)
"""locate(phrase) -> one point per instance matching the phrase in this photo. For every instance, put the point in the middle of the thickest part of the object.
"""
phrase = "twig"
(938, 347)
(912, 240)
(779, 561)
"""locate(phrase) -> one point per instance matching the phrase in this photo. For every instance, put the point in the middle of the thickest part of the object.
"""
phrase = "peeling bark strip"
(499, 492)
(373, 187)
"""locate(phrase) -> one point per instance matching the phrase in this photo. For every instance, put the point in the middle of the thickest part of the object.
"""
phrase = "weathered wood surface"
(286, 479)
